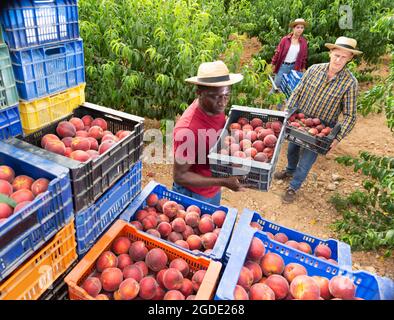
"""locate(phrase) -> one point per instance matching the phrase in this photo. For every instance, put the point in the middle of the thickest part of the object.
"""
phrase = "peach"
(270, 235)
(227, 141)
(22, 182)
(160, 293)
(276, 126)
(77, 122)
(332, 261)
(170, 209)
(81, 134)
(178, 225)
(164, 229)
(48, 137)
(188, 232)
(181, 265)
(281, 237)
(174, 236)
(68, 151)
(143, 267)
(141, 215)
(67, 142)
(56, 146)
(304, 247)
(148, 286)
(22, 195)
(309, 122)
(246, 128)
(240, 293)
(342, 287)
(156, 259)
(80, 155)
(256, 249)
(138, 251)
(21, 205)
(174, 295)
(324, 287)
(106, 260)
(194, 242)
(235, 126)
(197, 279)
(109, 137)
(263, 133)
(7, 173)
(238, 135)
(106, 145)
(5, 210)
(5, 187)
(192, 219)
(206, 225)
(245, 278)
(239, 154)
(304, 288)
(100, 122)
(187, 287)
(272, 263)
(152, 200)
(313, 131)
(123, 134)
(191, 297)
(292, 243)
(193, 208)
(224, 152)
(260, 291)
(92, 286)
(137, 225)
(133, 271)
(128, 289)
(149, 222)
(124, 260)
(93, 154)
(255, 268)
(102, 296)
(217, 231)
(65, 129)
(279, 285)
(182, 243)
(251, 135)
(95, 132)
(80, 143)
(256, 225)
(261, 157)
(159, 277)
(93, 143)
(245, 144)
(208, 240)
(256, 122)
(173, 279)
(163, 218)
(293, 270)
(111, 278)
(270, 141)
(323, 250)
(154, 232)
(234, 148)
(87, 120)
(242, 121)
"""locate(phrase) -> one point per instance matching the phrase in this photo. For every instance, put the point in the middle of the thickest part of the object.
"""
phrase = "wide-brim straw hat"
(298, 21)
(214, 74)
(344, 43)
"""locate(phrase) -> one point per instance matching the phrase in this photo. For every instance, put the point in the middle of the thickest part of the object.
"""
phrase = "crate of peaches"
(261, 269)
(249, 146)
(127, 264)
(35, 203)
(99, 145)
(310, 132)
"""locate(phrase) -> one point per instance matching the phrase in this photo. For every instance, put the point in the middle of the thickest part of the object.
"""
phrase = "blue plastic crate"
(28, 23)
(294, 77)
(8, 91)
(218, 251)
(92, 222)
(369, 286)
(27, 230)
(48, 69)
(10, 123)
(340, 251)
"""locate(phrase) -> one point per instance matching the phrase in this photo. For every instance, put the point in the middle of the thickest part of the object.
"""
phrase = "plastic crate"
(44, 70)
(294, 78)
(8, 92)
(223, 239)
(369, 287)
(59, 289)
(92, 222)
(89, 180)
(28, 229)
(122, 229)
(10, 122)
(316, 144)
(30, 23)
(340, 251)
(257, 175)
(43, 111)
(32, 279)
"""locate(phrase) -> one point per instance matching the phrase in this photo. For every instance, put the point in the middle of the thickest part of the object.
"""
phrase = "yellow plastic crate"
(34, 277)
(41, 112)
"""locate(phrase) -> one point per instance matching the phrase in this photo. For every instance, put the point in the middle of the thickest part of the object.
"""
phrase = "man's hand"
(333, 144)
(233, 184)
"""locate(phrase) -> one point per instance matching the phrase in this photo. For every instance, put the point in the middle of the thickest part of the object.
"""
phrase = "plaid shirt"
(318, 97)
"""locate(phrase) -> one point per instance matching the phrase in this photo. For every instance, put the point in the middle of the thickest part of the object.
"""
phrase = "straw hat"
(344, 43)
(214, 74)
(298, 21)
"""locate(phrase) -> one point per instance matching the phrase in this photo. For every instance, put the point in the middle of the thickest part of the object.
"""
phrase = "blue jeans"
(284, 69)
(215, 200)
(299, 163)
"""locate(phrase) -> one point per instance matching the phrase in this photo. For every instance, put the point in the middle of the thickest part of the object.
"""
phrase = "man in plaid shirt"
(325, 91)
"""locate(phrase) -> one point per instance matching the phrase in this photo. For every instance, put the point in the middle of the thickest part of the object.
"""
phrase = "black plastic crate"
(59, 289)
(316, 144)
(253, 174)
(89, 180)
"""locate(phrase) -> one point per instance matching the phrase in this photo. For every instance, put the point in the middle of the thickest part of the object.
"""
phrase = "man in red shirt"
(197, 131)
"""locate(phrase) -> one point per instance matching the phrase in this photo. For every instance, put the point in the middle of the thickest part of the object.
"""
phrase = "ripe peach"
(304, 288)
(87, 120)
(100, 122)
(154, 232)
(270, 235)
(93, 154)
(80, 155)
(261, 291)
(111, 278)
(81, 134)
(160, 293)
(342, 287)
(48, 137)
(149, 222)
(106, 145)
(245, 278)
(68, 151)
(102, 296)
(77, 122)
(106, 260)
(272, 263)
(148, 286)
(56, 146)
(197, 279)
(245, 144)
(133, 271)
(234, 148)
(258, 145)
(156, 259)
(256, 249)
(270, 141)
(224, 152)
(5, 210)
(152, 200)
(178, 225)
(141, 215)
(261, 157)
(160, 204)
(7, 173)
(256, 122)
(246, 128)
(304, 247)
(240, 293)
(218, 218)
(128, 289)
(235, 126)
(124, 260)
(264, 132)
(67, 141)
(217, 231)
(208, 240)
(187, 287)
(174, 295)
(206, 225)
(172, 279)
(256, 270)
(309, 122)
(5, 187)
(170, 209)
(109, 137)
(251, 135)
(174, 236)
(250, 152)
(21, 205)
(22, 195)
(80, 144)
(181, 265)
(93, 143)
(123, 134)
(194, 242)
(144, 268)
(281, 237)
(323, 250)
(313, 131)
(228, 140)
(95, 132)
(242, 121)
(163, 218)
(256, 225)
(92, 286)
(65, 129)
(324, 288)
(188, 232)
(138, 251)
(182, 243)
(279, 285)
(164, 229)
(238, 135)
(121, 245)
(137, 225)
(239, 154)
(292, 243)
(192, 218)
(276, 126)
(293, 270)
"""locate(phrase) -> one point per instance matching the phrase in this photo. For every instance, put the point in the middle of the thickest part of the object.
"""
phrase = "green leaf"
(7, 200)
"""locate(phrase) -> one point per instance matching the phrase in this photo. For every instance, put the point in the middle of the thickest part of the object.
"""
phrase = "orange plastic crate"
(121, 228)
(33, 278)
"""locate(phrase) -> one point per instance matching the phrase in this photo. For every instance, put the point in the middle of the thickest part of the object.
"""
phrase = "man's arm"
(186, 178)
(349, 111)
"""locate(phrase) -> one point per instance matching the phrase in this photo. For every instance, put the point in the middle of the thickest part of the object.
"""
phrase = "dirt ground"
(311, 212)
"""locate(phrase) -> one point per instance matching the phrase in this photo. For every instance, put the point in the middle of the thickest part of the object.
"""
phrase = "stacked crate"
(47, 58)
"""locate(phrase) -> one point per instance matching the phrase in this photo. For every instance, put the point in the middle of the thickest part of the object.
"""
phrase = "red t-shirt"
(195, 134)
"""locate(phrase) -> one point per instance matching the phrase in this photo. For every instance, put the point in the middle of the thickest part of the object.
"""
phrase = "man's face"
(214, 99)
(339, 58)
(298, 29)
